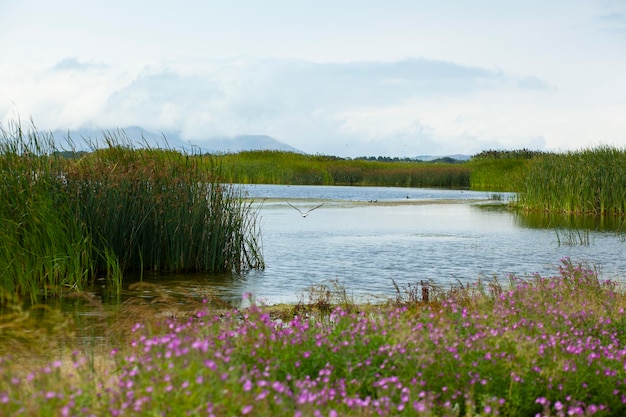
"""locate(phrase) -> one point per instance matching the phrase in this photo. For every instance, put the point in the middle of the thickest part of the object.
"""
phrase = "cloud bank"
(399, 108)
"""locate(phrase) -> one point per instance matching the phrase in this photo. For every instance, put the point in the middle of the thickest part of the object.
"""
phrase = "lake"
(363, 237)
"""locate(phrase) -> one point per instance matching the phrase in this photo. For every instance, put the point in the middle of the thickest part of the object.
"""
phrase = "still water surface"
(363, 237)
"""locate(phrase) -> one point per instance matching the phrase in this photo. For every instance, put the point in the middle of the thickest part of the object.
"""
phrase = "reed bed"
(275, 167)
(163, 210)
(489, 173)
(542, 346)
(69, 217)
(589, 181)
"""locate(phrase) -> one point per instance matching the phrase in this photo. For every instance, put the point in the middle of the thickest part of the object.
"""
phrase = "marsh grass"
(275, 167)
(589, 181)
(498, 174)
(35, 329)
(163, 210)
(69, 217)
(42, 249)
(547, 346)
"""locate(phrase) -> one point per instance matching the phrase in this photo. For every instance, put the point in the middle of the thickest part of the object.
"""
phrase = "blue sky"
(347, 78)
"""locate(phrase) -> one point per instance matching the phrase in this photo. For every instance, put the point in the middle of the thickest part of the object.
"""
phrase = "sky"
(342, 77)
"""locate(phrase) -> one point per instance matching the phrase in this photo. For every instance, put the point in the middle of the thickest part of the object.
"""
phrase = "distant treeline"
(445, 159)
(509, 154)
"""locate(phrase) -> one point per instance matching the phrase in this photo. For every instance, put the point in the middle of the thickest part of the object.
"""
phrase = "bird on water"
(305, 213)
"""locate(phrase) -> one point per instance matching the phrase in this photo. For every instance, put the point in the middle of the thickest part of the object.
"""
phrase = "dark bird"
(305, 213)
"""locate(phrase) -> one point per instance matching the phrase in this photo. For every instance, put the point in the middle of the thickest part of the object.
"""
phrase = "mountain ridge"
(137, 135)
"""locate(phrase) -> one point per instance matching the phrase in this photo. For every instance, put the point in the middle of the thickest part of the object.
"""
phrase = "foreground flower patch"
(543, 346)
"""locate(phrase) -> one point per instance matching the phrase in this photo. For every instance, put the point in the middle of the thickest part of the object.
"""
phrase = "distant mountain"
(84, 138)
(247, 143)
(138, 136)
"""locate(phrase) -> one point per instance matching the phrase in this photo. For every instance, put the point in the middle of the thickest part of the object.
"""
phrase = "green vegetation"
(69, 217)
(545, 346)
(500, 170)
(41, 251)
(590, 181)
(274, 167)
(66, 221)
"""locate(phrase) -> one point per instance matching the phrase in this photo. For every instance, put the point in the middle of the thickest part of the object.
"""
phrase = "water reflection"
(570, 221)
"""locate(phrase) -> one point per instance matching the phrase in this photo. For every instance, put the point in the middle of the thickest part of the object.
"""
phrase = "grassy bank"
(66, 218)
(274, 167)
(547, 346)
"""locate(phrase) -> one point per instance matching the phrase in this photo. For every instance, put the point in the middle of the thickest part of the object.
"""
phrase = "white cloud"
(533, 83)
(408, 107)
(347, 78)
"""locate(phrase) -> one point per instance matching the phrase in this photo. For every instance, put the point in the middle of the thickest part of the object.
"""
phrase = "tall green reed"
(163, 210)
(41, 252)
(497, 174)
(68, 217)
(589, 181)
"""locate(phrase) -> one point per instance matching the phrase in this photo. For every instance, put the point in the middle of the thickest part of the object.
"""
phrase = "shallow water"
(363, 237)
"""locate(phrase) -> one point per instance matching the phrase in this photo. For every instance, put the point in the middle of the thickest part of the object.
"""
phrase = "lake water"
(363, 237)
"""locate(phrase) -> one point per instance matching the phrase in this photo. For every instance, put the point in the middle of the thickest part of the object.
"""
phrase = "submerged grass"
(545, 346)
(68, 217)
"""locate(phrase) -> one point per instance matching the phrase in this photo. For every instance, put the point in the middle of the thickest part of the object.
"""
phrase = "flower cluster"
(542, 347)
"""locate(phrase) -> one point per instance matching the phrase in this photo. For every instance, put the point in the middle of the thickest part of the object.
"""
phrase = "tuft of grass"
(572, 237)
(325, 296)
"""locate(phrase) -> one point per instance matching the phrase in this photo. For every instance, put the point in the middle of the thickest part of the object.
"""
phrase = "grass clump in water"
(68, 217)
(163, 210)
(590, 181)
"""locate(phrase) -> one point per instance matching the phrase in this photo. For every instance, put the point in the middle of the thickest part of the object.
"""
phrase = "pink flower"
(247, 386)
(419, 406)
